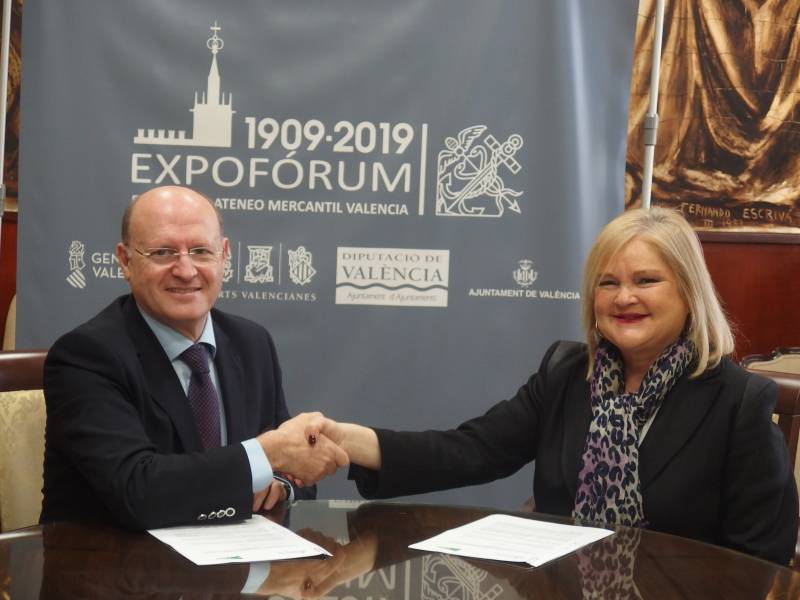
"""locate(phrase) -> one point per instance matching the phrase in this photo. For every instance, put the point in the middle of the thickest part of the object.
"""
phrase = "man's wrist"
(287, 488)
(271, 444)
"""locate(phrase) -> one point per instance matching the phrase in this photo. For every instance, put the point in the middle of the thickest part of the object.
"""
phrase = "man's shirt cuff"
(260, 469)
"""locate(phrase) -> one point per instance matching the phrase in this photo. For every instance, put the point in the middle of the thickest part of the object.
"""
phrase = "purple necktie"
(202, 395)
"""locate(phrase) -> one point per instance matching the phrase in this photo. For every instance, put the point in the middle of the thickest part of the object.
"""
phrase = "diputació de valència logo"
(392, 276)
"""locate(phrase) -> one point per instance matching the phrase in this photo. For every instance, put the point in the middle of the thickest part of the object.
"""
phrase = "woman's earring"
(597, 331)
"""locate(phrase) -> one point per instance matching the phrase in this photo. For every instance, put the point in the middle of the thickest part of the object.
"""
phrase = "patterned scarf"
(608, 480)
(607, 567)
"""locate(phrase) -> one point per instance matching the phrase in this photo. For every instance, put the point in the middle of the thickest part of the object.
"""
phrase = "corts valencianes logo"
(262, 264)
(258, 272)
(392, 276)
(259, 266)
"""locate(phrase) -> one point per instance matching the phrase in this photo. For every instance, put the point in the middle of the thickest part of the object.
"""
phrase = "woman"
(647, 424)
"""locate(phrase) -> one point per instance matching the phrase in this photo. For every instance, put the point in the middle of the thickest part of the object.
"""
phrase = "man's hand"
(289, 450)
(271, 496)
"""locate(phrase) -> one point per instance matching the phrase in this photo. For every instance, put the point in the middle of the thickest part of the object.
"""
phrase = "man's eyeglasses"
(169, 256)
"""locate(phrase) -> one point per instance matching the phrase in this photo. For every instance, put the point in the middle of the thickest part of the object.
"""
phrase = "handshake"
(311, 446)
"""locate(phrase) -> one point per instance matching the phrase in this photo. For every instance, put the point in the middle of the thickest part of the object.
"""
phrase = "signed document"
(512, 539)
(255, 539)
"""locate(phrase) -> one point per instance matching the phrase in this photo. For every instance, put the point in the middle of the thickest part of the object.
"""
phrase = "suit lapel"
(681, 413)
(163, 383)
(231, 380)
(577, 417)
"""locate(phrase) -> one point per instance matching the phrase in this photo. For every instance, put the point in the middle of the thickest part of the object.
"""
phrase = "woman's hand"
(359, 442)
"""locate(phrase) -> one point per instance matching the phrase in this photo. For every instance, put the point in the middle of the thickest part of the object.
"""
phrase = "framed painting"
(728, 148)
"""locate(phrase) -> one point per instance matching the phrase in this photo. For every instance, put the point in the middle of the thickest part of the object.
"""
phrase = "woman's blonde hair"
(677, 244)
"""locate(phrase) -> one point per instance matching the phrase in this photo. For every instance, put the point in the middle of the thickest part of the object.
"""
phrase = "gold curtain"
(729, 136)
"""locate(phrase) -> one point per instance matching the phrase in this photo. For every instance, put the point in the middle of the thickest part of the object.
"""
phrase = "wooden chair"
(783, 367)
(780, 360)
(780, 366)
(21, 370)
(787, 409)
(10, 333)
(22, 419)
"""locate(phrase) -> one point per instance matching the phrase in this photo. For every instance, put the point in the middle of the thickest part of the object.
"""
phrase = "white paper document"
(512, 539)
(252, 540)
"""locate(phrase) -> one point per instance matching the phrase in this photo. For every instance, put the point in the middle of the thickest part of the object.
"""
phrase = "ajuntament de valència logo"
(524, 274)
(468, 181)
(212, 114)
(392, 276)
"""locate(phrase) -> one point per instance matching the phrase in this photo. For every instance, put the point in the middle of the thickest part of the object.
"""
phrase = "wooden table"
(372, 561)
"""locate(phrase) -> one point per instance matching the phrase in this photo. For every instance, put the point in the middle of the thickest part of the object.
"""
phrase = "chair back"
(787, 409)
(781, 360)
(22, 370)
(783, 367)
(22, 420)
(10, 332)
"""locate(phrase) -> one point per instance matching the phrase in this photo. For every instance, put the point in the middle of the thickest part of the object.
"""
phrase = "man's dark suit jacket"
(713, 466)
(120, 441)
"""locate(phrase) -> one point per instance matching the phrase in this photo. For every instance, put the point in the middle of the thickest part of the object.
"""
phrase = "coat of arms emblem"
(524, 274)
(301, 270)
(259, 269)
(468, 181)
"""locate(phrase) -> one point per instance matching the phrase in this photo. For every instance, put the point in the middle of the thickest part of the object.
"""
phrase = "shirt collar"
(175, 343)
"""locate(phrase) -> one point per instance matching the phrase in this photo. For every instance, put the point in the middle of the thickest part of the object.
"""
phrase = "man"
(162, 410)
